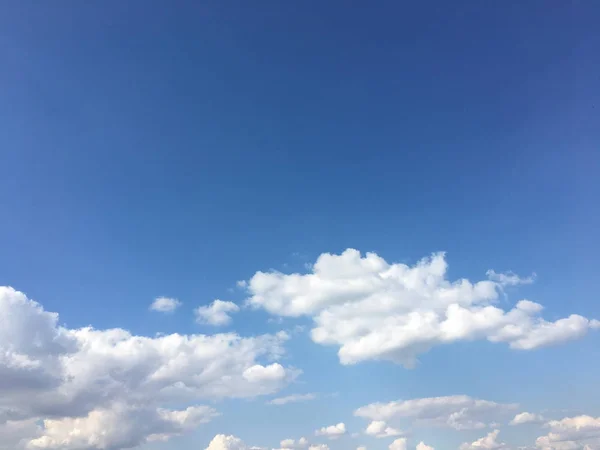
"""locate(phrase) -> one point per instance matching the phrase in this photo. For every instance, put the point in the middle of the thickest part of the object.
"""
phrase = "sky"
(299, 225)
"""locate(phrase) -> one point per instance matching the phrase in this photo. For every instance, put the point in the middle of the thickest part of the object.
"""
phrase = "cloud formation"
(86, 379)
(294, 398)
(332, 431)
(459, 412)
(216, 314)
(489, 442)
(372, 309)
(379, 429)
(526, 417)
(165, 304)
(571, 433)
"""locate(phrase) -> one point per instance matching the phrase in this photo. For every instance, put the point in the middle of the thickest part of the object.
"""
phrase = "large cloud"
(460, 412)
(372, 309)
(82, 378)
(571, 433)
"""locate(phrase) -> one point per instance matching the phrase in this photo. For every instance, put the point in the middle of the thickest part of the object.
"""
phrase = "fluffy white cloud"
(319, 447)
(372, 309)
(294, 398)
(379, 429)
(165, 304)
(361, 448)
(526, 417)
(78, 379)
(571, 433)
(332, 431)
(119, 427)
(489, 442)
(460, 412)
(216, 314)
(422, 446)
(398, 444)
(291, 443)
(224, 442)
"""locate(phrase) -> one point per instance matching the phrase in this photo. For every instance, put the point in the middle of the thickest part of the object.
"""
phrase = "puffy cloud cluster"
(332, 431)
(460, 412)
(216, 314)
(292, 444)
(423, 446)
(571, 433)
(489, 442)
(398, 444)
(373, 310)
(80, 381)
(380, 429)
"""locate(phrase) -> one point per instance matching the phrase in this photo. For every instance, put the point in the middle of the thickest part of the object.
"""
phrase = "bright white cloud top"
(98, 380)
(375, 310)
(216, 314)
(165, 304)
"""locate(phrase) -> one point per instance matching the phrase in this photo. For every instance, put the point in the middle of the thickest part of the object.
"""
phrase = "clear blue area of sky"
(171, 148)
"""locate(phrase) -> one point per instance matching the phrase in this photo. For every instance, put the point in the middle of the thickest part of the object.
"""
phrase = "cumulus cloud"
(78, 379)
(119, 427)
(398, 444)
(319, 447)
(291, 443)
(489, 442)
(372, 309)
(422, 446)
(332, 431)
(224, 442)
(294, 398)
(165, 304)
(460, 412)
(571, 433)
(526, 417)
(379, 429)
(216, 314)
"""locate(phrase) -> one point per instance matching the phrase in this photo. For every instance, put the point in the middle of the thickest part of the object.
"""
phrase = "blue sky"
(151, 149)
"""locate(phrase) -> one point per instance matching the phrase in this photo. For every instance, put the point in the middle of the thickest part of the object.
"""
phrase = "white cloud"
(489, 442)
(319, 447)
(258, 374)
(332, 431)
(165, 304)
(120, 427)
(460, 412)
(372, 309)
(361, 448)
(83, 377)
(224, 442)
(398, 444)
(571, 433)
(422, 446)
(379, 429)
(292, 444)
(294, 398)
(509, 278)
(526, 417)
(216, 314)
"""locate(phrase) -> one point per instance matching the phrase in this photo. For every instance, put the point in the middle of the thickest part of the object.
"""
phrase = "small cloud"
(216, 314)
(241, 284)
(294, 398)
(165, 304)
(332, 431)
(509, 278)
(526, 417)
